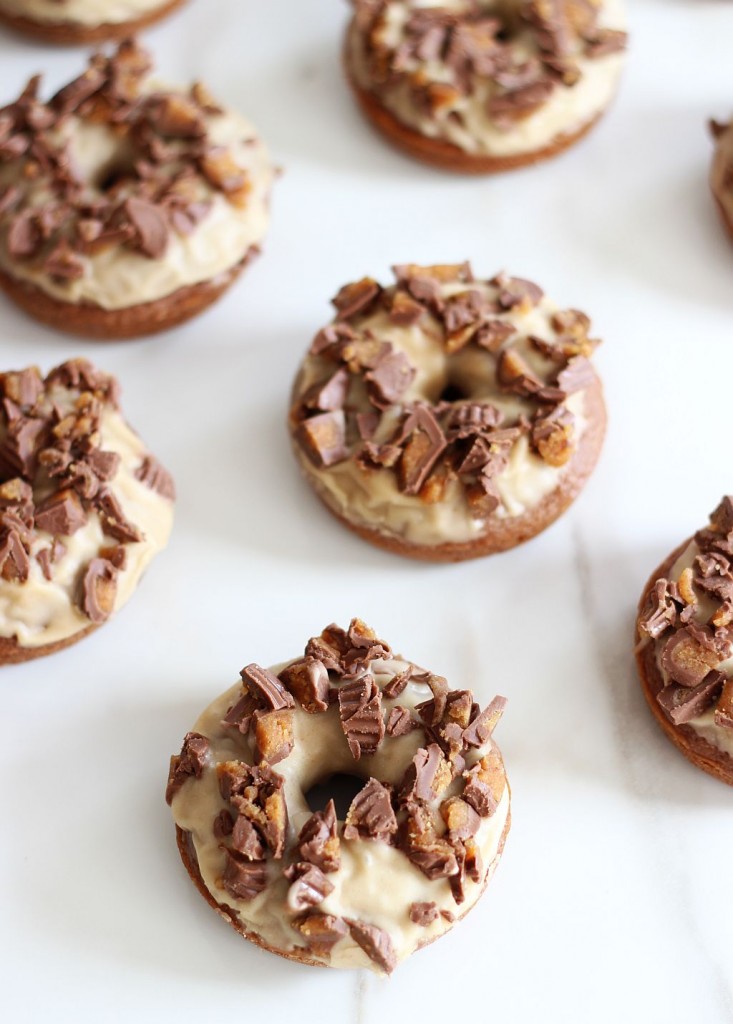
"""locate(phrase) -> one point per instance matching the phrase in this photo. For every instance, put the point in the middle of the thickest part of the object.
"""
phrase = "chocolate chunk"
(398, 683)
(479, 731)
(553, 436)
(309, 886)
(576, 376)
(425, 442)
(61, 513)
(400, 722)
(427, 775)
(493, 333)
(724, 709)
(257, 793)
(370, 815)
(104, 465)
(14, 560)
(246, 840)
(389, 379)
(721, 519)
(68, 99)
(177, 117)
(318, 841)
(513, 291)
(329, 395)
(266, 688)
(242, 712)
(515, 375)
(152, 474)
(405, 311)
(329, 648)
(375, 942)
(243, 879)
(223, 172)
(223, 824)
(364, 647)
(461, 820)
(150, 225)
(434, 856)
(99, 590)
(359, 297)
(321, 931)
(366, 424)
(188, 764)
(323, 438)
(660, 610)
(485, 783)
(19, 446)
(432, 711)
(23, 387)
(360, 708)
(683, 703)
(604, 41)
(113, 519)
(274, 738)
(24, 237)
(307, 680)
(686, 659)
(63, 264)
(423, 914)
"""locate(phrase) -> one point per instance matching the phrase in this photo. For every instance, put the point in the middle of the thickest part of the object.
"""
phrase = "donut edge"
(444, 155)
(87, 320)
(13, 653)
(694, 747)
(66, 33)
(512, 530)
(297, 954)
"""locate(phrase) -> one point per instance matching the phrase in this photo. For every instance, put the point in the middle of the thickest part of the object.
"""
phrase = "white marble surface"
(613, 901)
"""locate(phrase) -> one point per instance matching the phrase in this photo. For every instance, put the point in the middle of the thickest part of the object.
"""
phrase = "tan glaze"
(696, 749)
(11, 653)
(298, 953)
(88, 321)
(445, 155)
(501, 533)
(67, 33)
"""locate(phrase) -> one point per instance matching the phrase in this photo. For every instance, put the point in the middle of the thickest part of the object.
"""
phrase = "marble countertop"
(613, 900)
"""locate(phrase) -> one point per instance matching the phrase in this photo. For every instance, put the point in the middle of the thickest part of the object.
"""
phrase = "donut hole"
(453, 392)
(114, 173)
(339, 787)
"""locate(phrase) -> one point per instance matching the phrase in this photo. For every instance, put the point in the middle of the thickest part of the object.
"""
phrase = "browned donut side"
(502, 534)
(298, 954)
(66, 33)
(695, 748)
(89, 321)
(724, 216)
(445, 155)
(12, 653)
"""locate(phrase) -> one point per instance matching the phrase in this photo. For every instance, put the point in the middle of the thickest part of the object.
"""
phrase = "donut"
(408, 856)
(84, 507)
(83, 21)
(684, 645)
(721, 172)
(478, 86)
(446, 418)
(125, 207)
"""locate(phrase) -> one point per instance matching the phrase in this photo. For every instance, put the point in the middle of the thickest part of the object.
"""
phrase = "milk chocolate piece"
(307, 680)
(321, 931)
(370, 815)
(424, 914)
(318, 841)
(61, 513)
(266, 688)
(360, 708)
(683, 703)
(309, 886)
(99, 590)
(375, 942)
(243, 879)
(188, 764)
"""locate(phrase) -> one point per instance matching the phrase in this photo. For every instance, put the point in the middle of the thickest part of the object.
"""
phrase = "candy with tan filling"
(445, 417)
(479, 85)
(418, 843)
(126, 206)
(685, 645)
(84, 507)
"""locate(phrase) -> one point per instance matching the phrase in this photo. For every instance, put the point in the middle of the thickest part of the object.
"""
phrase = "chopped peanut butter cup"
(446, 417)
(410, 853)
(684, 650)
(84, 507)
(478, 86)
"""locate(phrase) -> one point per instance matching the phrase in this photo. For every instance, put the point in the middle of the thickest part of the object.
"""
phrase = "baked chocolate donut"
(721, 172)
(484, 85)
(83, 21)
(446, 417)
(421, 837)
(684, 649)
(84, 507)
(126, 207)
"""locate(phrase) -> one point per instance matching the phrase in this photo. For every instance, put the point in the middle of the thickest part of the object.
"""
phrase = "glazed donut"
(83, 21)
(721, 172)
(84, 507)
(421, 837)
(684, 650)
(126, 208)
(484, 85)
(446, 418)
